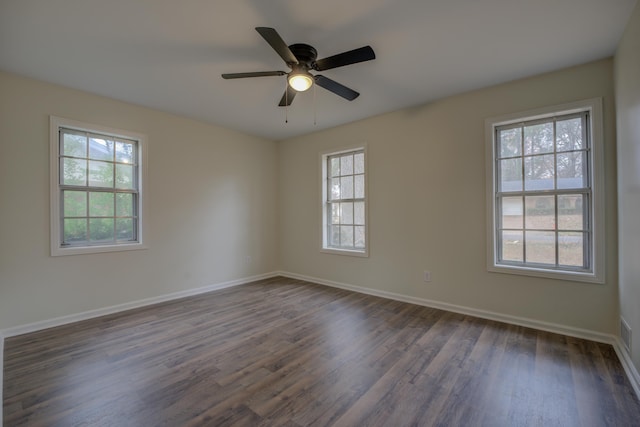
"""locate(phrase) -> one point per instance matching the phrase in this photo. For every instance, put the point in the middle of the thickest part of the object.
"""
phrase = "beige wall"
(427, 204)
(217, 196)
(627, 85)
(211, 203)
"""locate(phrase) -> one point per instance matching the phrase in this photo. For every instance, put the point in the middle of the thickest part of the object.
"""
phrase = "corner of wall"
(627, 103)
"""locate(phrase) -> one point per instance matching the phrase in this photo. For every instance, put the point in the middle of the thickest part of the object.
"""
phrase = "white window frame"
(325, 217)
(596, 272)
(57, 249)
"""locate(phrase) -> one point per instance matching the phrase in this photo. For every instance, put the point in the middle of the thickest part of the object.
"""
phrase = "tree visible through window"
(98, 183)
(98, 189)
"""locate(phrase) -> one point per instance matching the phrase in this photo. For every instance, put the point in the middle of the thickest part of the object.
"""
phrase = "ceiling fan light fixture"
(300, 81)
(301, 58)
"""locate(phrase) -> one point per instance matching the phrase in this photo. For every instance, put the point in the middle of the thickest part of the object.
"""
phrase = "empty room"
(280, 213)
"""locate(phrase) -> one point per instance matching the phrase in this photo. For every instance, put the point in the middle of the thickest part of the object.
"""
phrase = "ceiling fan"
(301, 58)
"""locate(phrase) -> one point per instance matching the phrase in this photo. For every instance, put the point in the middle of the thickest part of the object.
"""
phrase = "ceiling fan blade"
(275, 41)
(337, 88)
(287, 97)
(254, 74)
(354, 56)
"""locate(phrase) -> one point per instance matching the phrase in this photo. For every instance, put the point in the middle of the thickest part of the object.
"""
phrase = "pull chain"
(286, 101)
(315, 106)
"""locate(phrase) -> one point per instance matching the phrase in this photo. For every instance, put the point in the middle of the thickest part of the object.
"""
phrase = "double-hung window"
(545, 193)
(96, 192)
(344, 202)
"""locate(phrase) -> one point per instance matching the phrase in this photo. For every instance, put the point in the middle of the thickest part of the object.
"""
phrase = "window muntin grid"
(345, 201)
(98, 189)
(544, 194)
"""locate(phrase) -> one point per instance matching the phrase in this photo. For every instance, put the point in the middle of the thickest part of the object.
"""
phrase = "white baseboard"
(616, 342)
(59, 321)
(623, 355)
(627, 364)
(484, 314)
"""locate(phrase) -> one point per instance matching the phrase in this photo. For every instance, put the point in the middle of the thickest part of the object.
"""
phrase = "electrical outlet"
(427, 276)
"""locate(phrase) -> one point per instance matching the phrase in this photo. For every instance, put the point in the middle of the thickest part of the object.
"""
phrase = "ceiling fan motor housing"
(305, 54)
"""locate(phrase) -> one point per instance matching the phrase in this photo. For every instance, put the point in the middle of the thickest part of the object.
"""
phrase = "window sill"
(574, 276)
(362, 254)
(97, 249)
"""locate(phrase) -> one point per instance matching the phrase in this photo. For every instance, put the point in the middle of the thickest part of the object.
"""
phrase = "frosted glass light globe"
(300, 82)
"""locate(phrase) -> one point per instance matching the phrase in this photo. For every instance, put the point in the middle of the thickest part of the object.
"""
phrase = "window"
(344, 202)
(544, 193)
(96, 182)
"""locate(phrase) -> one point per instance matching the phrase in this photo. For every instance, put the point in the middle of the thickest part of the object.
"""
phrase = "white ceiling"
(169, 54)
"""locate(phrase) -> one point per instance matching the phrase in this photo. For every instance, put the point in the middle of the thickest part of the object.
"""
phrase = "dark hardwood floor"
(290, 353)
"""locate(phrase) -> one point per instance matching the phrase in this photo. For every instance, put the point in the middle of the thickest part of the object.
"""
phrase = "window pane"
(100, 149)
(335, 189)
(358, 213)
(542, 171)
(540, 212)
(359, 187)
(539, 173)
(334, 235)
(346, 209)
(512, 246)
(75, 203)
(124, 176)
(74, 172)
(569, 134)
(346, 165)
(125, 152)
(510, 142)
(335, 166)
(538, 138)
(101, 229)
(100, 174)
(511, 175)
(571, 170)
(74, 145)
(570, 249)
(124, 229)
(346, 187)
(75, 231)
(92, 211)
(100, 204)
(359, 237)
(541, 247)
(344, 173)
(346, 236)
(334, 213)
(512, 212)
(358, 163)
(124, 204)
(570, 213)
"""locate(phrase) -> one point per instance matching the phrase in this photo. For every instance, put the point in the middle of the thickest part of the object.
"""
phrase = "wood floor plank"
(284, 352)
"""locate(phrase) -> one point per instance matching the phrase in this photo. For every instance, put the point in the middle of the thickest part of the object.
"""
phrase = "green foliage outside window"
(99, 194)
